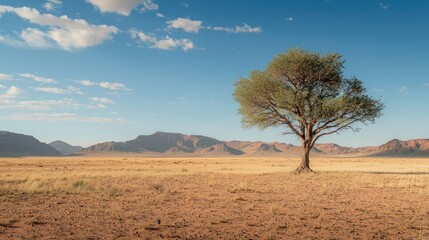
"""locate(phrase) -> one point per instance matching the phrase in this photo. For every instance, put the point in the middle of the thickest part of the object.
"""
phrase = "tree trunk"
(305, 159)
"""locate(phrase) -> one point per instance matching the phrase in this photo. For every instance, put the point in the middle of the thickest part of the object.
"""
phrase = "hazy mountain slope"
(220, 149)
(17, 145)
(65, 148)
(331, 148)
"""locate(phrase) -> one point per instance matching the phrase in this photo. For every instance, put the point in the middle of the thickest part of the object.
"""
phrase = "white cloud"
(160, 15)
(11, 93)
(378, 90)
(2, 86)
(107, 85)
(169, 44)
(149, 5)
(52, 5)
(102, 100)
(142, 36)
(123, 7)
(41, 105)
(36, 38)
(5, 76)
(112, 86)
(384, 6)
(289, 19)
(166, 43)
(99, 105)
(38, 78)
(61, 117)
(63, 32)
(403, 90)
(189, 25)
(72, 89)
(86, 83)
(69, 89)
(238, 29)
(51, 90)
(186, 24)
(12, 41)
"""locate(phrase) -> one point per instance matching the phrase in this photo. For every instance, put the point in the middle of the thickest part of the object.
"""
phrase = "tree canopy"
(308, 93)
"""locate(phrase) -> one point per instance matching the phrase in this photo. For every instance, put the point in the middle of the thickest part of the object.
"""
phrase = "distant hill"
(162, 143)
(65, 148)
(159, 142)
(395, 147)
(331, 148)
(18, 145)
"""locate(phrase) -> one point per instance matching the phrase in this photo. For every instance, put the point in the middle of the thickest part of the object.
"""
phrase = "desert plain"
(126, 197)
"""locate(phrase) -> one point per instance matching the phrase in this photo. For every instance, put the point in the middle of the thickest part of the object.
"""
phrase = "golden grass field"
(213, 198)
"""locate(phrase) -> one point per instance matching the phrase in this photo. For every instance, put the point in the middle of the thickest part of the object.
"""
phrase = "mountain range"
(176, 144)
(165, 144)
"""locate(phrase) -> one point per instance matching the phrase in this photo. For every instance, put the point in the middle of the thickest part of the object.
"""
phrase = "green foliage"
(308, 93)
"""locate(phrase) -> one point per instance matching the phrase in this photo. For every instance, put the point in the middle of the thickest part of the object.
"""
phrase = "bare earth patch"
(195, 198)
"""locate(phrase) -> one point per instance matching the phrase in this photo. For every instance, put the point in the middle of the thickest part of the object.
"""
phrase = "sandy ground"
(219, 198)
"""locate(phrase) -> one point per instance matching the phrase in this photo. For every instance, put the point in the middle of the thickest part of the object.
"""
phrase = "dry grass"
(213, 198)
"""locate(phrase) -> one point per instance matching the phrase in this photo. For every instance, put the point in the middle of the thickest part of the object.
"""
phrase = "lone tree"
(307, 93)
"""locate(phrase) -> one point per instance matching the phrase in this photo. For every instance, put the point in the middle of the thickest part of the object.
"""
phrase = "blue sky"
(100, 70)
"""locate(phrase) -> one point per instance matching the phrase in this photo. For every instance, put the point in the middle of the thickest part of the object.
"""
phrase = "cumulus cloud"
(185, 24)
(72, 89)
(166, 43)
(38, 78)
(10, 93)
(36, 38)
(160, 15)
(51, 90)
(41, 105)
(102, 100)
(113, 86)
(52, 5)
(61, 117)
(62, 32)
(149, 5)
(289, 19)
(123, 7)
(69, 89)
(245, 28)
(5, 76)
(195, 26)
(384, 6)
(86, 83)
(107, 85)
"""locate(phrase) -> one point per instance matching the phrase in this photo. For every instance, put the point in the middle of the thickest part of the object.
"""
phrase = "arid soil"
(218, 198)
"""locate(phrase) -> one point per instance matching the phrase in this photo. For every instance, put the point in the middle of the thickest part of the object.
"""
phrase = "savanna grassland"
(213, 198)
